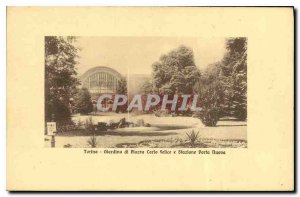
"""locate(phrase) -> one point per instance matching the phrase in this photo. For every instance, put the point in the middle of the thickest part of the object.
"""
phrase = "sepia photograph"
(148, 98)
(145, 92)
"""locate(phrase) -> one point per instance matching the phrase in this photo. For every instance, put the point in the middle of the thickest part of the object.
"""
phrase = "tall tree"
(223, 85)
(147, 87)
(234, 77)
(60, 76)
(83, 102)
(176, 72)
(211, 94)
(122, 86)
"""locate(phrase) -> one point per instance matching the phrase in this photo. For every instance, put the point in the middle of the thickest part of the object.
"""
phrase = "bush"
(79, 124)
(61, 128)
(66, 126)
(102, 126)
(193, 137)
(67, 146)
(209, 117)
(93, 141)
(89, 126)
(140, 122)
(112, 124)
(241, 114)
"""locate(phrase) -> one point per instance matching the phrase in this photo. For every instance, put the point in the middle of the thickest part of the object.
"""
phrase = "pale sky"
(136, 54)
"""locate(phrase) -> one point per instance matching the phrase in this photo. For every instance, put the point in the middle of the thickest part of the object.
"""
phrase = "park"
(171, 103)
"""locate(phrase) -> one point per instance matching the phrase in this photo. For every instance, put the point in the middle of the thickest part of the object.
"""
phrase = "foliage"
(193, 137)
(176, 72)
(65, 127)
(83, 102)
(58, 108)
(69, 126)
(122, 86)
(67, 146)
(223, 85)
(89, 126)
(93, 141)
(140, 123)
(209, 116)
(79, 124)
(147, 87)
(102, 126)
(234, 69)
(211, 95)
(60, 76)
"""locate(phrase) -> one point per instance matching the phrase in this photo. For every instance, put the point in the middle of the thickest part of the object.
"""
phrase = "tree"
(147, 87)
(223, 85)
(234, 77)
(122, 86)
(83, 102)
(60, 76)
(176, 72)
(211, 94)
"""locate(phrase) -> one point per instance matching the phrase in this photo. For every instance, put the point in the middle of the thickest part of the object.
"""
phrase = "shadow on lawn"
(116, 133)
(137, 133)
(236, 125)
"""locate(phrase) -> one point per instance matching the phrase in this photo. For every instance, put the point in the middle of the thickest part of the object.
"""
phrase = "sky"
(135, 55)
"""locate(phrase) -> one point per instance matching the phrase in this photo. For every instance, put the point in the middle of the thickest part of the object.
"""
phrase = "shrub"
(140, 122)
(193, 137)
(122, 123)
(93, 141)
(102, 126)
(157, 113)
(112, 124)
(67, 146)
(65, 127)
(209, 117)
(79, 124)
(89, 126)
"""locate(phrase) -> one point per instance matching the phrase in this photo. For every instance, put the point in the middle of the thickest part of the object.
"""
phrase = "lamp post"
(71, 100)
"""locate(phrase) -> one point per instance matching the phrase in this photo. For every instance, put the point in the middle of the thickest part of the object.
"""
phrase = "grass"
(227, 134)
(180, 143)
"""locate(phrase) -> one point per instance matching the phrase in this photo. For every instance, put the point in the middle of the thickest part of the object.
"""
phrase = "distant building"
(104, 80)
(101, 80)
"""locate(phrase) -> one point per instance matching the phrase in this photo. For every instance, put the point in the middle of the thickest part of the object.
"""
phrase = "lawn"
(164, 132)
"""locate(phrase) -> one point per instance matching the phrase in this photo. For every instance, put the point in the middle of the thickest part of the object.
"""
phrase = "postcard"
(150, 99)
